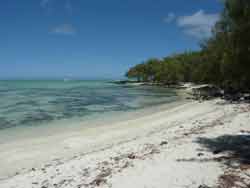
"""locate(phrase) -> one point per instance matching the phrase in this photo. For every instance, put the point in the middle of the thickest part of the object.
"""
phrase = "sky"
(97, 38)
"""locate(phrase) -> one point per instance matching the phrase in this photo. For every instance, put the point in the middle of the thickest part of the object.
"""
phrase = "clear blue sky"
(97, 38)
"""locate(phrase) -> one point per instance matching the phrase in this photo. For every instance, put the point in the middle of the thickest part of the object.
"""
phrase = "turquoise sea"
(34, 103)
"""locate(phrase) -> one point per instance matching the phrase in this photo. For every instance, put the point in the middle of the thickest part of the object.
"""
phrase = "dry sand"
(165, 149)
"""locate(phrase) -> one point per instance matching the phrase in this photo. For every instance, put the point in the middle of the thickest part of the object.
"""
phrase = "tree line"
(224, 58)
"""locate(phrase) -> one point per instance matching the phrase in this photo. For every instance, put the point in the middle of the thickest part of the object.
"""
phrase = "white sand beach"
(163, 149)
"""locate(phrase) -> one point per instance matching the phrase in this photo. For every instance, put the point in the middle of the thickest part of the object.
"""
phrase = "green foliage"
(169, 70)
(224, 59)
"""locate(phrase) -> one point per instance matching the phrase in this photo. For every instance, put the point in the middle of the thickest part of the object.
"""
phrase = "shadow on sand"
(235, 147)
(232, 151)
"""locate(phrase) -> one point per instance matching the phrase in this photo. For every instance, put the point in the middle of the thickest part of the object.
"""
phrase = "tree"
(224, 59)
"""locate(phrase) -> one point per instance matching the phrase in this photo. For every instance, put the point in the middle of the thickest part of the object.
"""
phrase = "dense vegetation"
(224, 59)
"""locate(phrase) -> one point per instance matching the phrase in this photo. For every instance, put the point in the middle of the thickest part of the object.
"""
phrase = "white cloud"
(199, 24)
(170, 17)
(65, 29)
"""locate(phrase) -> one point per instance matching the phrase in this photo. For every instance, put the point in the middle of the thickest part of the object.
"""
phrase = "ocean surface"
(38, 103)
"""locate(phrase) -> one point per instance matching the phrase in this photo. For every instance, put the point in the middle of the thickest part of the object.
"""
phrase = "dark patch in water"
(4, 123)
(37, 117)
(30, 103)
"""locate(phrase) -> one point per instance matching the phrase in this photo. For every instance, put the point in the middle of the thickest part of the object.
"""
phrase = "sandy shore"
(171, 148)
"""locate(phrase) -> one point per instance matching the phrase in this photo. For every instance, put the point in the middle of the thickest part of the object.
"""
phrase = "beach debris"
(105, 172)
(43, 170)
(131, 156)
(203, 186)
(98, 181)
(85, 172)
(126, 164)
(105, 163)
(231, 180)
(200, 154)
(45, 184)
(163, 143)
(215, 152)
(154, 151)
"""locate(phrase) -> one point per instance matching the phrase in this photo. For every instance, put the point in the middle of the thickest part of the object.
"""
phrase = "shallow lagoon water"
(29, 104)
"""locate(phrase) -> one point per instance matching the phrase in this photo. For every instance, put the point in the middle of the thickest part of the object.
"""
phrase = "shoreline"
(161, 142)
(94, 121)
(30, 146)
